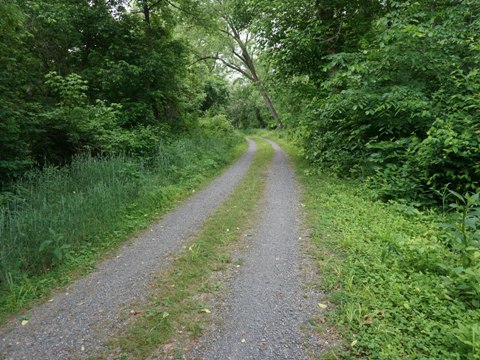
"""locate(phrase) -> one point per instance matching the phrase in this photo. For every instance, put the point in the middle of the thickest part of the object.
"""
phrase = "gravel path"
(76, 322)
(266, 307)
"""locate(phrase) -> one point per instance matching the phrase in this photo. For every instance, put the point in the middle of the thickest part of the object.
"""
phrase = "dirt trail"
(76, 323)
(267, 306)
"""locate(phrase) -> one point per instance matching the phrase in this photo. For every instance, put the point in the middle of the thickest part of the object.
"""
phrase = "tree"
(246, 108)
(233, 45)
(395, 99)
(124, 52)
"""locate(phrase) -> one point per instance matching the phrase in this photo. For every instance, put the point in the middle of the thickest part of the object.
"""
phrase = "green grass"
(61, 221)
(387, 270)
(181, 302)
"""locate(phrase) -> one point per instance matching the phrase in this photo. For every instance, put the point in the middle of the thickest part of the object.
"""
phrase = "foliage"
(92, 77)
(217, 125)
(246, 108)
(395, 98)
(72, 126)
(217, 94)
(463, 237)
(15, 157)
(227, 40)
(296, 35)
(400, 283)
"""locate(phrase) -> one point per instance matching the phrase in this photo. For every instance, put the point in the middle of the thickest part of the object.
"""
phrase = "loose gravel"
(268, 304)
(76, 323)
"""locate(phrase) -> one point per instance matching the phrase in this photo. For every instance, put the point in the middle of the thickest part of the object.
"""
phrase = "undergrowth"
(405, 284)
(59, 221)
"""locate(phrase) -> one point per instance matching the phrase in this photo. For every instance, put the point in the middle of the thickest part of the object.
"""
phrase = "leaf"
(44, 245)
(460, 197)
(58, 253)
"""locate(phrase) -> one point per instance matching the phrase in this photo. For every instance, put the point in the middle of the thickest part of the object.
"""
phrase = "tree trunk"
(247, 60)
(263, 92)
(270, 107)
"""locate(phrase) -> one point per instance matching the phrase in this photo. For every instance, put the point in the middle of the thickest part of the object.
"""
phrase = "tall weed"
(54, 214)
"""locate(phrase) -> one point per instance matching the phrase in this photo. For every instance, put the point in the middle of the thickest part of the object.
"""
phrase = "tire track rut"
(267, 307)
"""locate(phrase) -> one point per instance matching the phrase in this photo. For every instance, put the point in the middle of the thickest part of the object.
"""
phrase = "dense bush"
(385, 90)
(404, 107)
(246, 108)
(91, 77)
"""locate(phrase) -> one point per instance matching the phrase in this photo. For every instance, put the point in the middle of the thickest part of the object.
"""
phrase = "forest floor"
(262, 311)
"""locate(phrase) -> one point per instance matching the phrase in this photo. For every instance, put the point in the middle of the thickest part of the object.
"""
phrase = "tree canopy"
(95, 76)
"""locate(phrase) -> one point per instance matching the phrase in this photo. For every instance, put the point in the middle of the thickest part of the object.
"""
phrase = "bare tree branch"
(239, 56)
(203, 58)
(226, 63)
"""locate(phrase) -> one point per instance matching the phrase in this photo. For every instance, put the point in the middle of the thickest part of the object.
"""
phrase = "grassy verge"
(62, 221)
(390, 275)
(181, 304)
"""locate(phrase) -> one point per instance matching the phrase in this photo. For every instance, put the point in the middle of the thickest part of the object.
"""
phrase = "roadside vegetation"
(182, 297)
(402, 283)
(382, 100)
(58, 221)
(106, 120)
